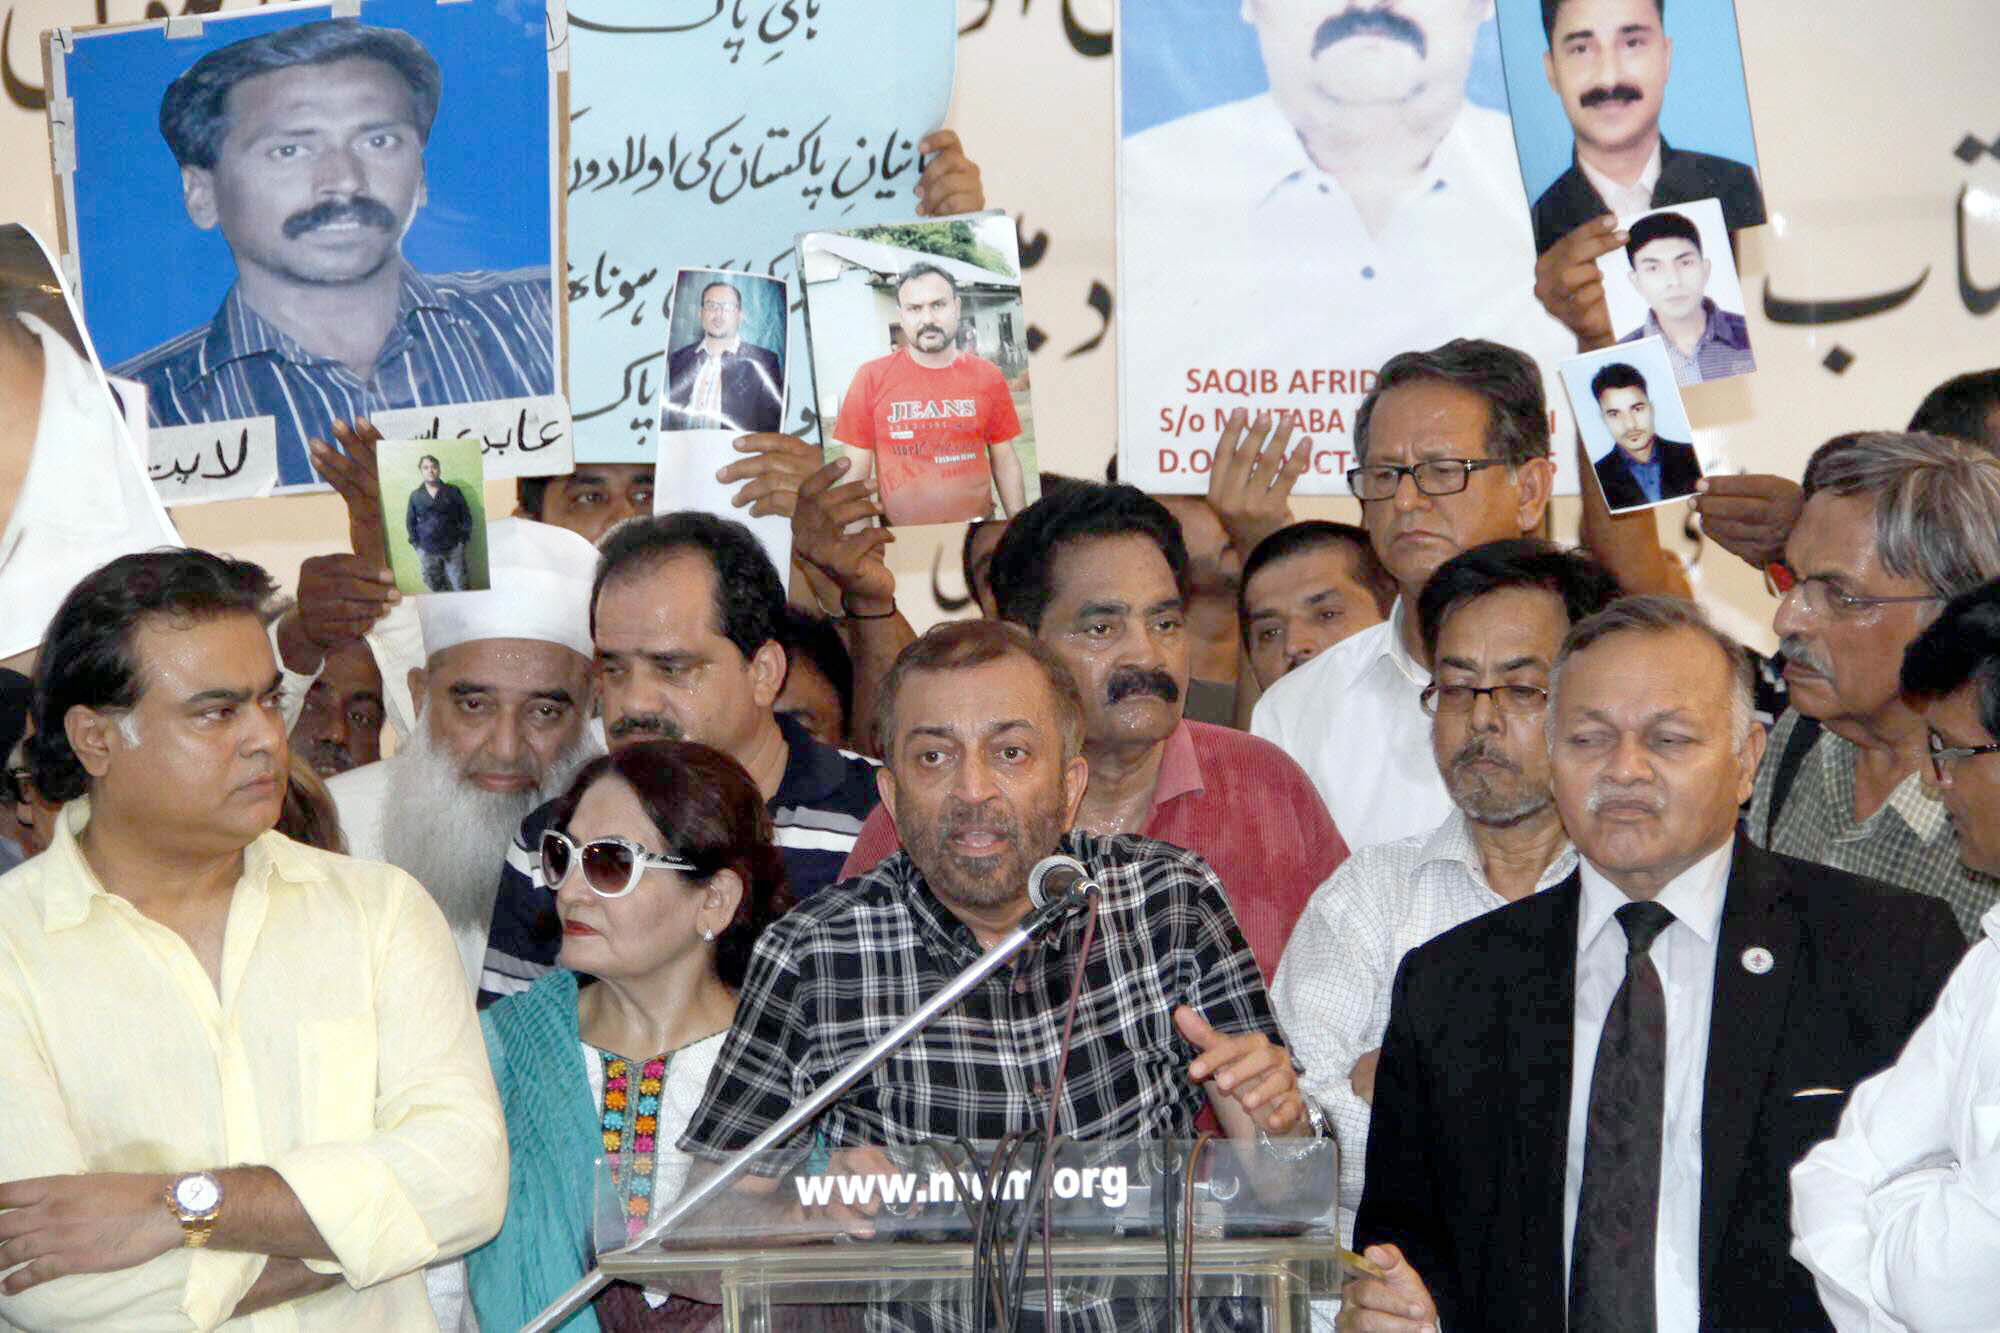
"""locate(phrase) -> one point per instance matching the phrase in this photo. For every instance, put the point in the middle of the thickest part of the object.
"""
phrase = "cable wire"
(1048, 1155)
(1187, 1240)
(986, 1276)
(1170, 1186)
(1055, 1089)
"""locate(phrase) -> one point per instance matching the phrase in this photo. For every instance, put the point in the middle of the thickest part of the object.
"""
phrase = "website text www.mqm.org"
(856, 1189)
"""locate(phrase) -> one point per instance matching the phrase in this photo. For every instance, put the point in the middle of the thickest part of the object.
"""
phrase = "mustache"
(1128, 681)
(1368, 23)
(656, 725)
(1795, 649)
(959, 817)
(1617, 92)
(361, 208)
(525, 769)
(1482, 748)
(1604, 793)
(328, 754)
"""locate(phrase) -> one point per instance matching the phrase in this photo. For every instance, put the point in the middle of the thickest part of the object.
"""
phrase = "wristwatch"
(1296, 1148)
(195, 1200)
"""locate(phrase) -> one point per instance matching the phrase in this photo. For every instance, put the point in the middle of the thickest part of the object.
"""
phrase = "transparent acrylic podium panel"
(812, 1240)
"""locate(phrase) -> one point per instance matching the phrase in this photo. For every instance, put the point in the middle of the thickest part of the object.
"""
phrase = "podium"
(1275, 1279)
(903, 1228)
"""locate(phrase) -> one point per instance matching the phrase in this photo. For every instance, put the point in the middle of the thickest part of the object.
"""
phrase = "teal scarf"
(552, 1139)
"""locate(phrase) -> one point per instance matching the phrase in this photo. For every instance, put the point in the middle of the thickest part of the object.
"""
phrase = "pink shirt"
(1239, 803)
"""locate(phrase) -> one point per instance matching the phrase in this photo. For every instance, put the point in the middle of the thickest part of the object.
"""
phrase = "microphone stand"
(1031, 926)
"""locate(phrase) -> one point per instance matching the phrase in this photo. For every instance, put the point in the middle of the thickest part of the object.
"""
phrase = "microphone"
(1056, 878)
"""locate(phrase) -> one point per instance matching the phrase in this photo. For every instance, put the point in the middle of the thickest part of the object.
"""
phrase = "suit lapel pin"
(1757, 960)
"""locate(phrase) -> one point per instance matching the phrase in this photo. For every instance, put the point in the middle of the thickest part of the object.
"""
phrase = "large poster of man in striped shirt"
(308, 147)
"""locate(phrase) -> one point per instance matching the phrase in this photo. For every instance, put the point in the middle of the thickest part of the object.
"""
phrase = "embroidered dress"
(553, 1088)
(631, 1112)
(634, 1105)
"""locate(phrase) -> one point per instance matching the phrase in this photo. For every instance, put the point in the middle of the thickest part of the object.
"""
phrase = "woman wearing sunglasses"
(661, 861)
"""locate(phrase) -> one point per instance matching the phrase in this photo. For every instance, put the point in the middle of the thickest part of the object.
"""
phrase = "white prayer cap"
(541, 576)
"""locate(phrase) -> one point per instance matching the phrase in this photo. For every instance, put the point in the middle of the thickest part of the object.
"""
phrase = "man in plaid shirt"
(1894, 526)
(983, 735)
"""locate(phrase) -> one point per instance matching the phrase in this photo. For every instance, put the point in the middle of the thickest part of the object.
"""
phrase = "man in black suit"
(1609, 60)
(1641, 468)
(723, 382)
(1588, 1101)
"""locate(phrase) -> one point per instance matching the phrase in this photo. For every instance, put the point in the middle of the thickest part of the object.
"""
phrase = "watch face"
(198, 1193)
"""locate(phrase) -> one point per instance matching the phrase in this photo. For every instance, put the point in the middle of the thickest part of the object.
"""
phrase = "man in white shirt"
(1493, 618)
(1304, 588)
(242, 1077)
(1588, 1101)
(502, 705)
(1363, 177)
(1898, 1215)
(1452, 449)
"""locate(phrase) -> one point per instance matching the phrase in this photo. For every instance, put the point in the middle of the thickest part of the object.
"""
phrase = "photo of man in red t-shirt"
(935, 422)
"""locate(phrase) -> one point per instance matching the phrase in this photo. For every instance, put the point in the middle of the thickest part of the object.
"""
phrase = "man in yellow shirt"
(242, 1079)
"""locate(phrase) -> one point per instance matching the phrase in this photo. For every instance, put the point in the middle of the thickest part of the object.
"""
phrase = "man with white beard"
(502, 701)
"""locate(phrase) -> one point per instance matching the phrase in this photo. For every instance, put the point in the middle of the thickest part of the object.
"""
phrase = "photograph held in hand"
(1594, 127)
(943, 419)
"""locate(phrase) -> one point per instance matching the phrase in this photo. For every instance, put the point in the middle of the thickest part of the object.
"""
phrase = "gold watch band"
(196, 1227)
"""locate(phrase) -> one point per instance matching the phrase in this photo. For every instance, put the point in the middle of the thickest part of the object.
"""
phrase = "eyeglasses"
(611, 866)
(17, 785)
(1942, 755)
(1433, 476)
(1823, 598)
(1519, 700)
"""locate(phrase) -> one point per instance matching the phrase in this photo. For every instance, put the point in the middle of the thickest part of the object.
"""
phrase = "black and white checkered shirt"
(848, 964)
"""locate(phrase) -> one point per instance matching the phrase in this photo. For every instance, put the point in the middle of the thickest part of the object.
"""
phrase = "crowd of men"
(1469, 851)
(1560, 943)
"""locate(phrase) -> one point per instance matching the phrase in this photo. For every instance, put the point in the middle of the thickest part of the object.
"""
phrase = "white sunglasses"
(611, 866)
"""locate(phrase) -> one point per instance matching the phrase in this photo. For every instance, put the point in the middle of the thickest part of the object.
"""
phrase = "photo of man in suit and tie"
(723, 381)
(1640, 468)
(1609, 62)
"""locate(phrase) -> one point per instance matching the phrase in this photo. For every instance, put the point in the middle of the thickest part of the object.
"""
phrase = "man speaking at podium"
(982, 731)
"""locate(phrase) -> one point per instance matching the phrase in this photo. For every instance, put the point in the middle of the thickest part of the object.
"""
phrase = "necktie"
(1618, 1208)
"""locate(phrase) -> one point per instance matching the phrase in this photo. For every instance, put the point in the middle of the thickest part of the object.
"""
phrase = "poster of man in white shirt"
(1306, 188)
(74, 490)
